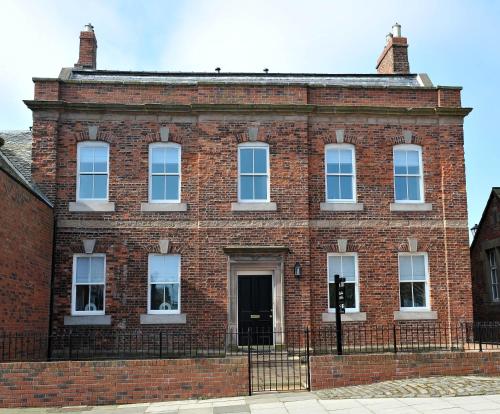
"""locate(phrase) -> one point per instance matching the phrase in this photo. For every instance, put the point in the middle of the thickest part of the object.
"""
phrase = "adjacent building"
(200, 201)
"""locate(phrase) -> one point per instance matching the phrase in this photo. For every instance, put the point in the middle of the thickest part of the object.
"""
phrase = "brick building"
(485, 254)
(229, 200)
(26, 227)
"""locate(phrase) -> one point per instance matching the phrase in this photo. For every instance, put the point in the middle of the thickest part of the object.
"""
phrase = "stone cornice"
(62, 106)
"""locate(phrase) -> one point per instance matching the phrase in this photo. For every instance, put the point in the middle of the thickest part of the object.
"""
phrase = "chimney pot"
(396, 30)
(89, 27)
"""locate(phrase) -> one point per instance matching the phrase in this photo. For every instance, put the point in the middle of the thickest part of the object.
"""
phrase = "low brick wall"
(43, 384)
(330, 371)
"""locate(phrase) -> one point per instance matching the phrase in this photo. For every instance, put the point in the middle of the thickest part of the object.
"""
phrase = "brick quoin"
(209, 117)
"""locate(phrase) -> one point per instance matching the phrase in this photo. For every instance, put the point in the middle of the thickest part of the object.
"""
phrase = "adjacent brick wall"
(25, 258)
(330, 371)
(41, 384)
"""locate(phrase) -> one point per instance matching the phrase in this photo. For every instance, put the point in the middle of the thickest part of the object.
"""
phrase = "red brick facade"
(26, 225)
(209, 118)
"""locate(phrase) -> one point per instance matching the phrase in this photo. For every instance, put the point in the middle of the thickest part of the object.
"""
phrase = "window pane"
(86, 184)
(346, 187)
(165, 297)
(260, 187)
(405, 272)
(100, 186)
(400, 162)
(172, 160)
(334, 267)
(101, 159)
(96, 298)
(413, 161)
(333, 187)
(97, 269)
(405, 292)
(413, 188)
(350, 295)
(332, 161)
(246, 188)
(82, 297)
(86, 159)
(246, 160)
(158, 160)
(419, 294)
(418, 267)
(164, 268)
(158, 187)
(345, 161)
(82, 269)
(348, 270)
(260, 160)
(401, 191)
(172, 190)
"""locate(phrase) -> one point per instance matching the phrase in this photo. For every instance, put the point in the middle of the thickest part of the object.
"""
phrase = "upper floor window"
(164, 283)
(340, 173)
(253, 172)
(492, 262)
(344, 265)
(413, 280)
(92, 171)
(164, 173)
(89, 274)
(408, 183)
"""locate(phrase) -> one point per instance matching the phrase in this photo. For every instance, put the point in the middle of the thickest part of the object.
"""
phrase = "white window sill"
(411, 206)
(103, 320)
(91, 206)
(415, 315)
(147, 207)
(265, 206)
(345, 317)
(332, 206)
(163, 319)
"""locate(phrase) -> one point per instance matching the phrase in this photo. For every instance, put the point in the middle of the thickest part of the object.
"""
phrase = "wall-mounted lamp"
(297, 270)
(473, 230)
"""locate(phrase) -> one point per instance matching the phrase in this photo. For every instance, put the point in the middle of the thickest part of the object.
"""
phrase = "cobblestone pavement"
(418, 387)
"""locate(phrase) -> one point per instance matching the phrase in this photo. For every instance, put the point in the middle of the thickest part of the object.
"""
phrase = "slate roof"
(15, 159)
(495, 191)
(194, 78)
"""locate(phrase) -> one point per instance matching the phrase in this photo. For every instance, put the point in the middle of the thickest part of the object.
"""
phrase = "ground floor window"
(164, 283)
(492, 262)
(413, 280)
(89, 273)
(344, 265)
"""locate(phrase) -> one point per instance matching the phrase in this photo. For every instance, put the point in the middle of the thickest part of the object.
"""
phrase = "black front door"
(255, 309)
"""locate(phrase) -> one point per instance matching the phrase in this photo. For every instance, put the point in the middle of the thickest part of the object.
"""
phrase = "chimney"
(394, 57)
(88, 48)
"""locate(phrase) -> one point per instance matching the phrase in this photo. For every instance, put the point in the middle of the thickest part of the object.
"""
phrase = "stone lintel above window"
(341, 206)
(158, 319)
(254, 206)
(411, 206)
(163, 207)
(102, 320)
(415, 315)
(345, 317)
(91, 206)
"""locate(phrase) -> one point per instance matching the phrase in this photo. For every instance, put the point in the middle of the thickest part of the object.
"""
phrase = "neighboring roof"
(193, 78)
(15, 159)
(495, 192)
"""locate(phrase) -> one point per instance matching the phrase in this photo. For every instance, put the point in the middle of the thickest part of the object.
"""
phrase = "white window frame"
(73, 288)
(259, 145)
(79, 146)
(167, 311)
(427, 306)
(493, 272)
(409, 147)
(356, 280)
(150, 174)
(353, 174)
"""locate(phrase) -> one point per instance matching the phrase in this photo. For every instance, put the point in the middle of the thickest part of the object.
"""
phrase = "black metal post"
(480, 338)
(249, 363)
(395, 345)
(70, 346)
(307, 357)
(338, 316)
(161, 345)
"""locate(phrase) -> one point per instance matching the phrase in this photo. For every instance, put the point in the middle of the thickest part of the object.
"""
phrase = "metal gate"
(278, 361)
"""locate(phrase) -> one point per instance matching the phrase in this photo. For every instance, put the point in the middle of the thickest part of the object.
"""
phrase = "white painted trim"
(353, 160)
(74, 312)
(409, 147)
(259, 145)
(91, 144)
(150, 172)
(427, 284)
(356, 280)
(163, 312)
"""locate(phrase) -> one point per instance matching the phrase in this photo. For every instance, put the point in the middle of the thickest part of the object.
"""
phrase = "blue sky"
(456, 42)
